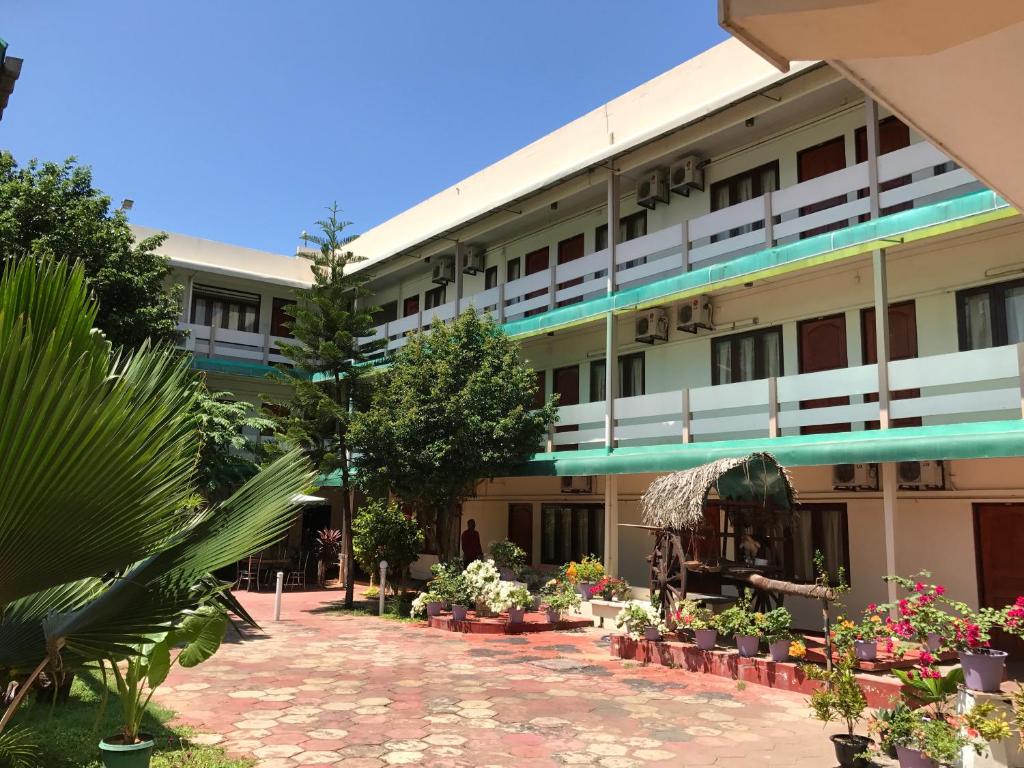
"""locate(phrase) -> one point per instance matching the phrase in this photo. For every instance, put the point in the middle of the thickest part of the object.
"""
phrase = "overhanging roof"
(951, 69)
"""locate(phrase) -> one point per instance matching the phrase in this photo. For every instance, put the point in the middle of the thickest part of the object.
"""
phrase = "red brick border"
(534, 622)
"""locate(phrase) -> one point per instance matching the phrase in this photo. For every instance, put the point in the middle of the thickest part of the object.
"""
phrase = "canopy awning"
(951, 69)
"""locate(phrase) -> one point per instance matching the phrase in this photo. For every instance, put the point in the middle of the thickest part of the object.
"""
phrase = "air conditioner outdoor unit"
(855, 477)
(695, 314)
(652, 326)
(442, 270)
(652, 188)
(578, 484)
(473, 260)
(685, 174)
(920, 475)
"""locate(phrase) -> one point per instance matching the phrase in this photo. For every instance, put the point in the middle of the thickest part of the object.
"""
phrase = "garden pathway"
(322, 688)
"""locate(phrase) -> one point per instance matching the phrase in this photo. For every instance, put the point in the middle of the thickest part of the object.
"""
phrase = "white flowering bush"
(484, 583)
(635, 618)
(419, 604)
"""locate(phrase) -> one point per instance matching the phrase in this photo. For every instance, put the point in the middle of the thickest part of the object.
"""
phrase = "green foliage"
(456, 407)
(507, 554)
(448, 583)
(776, 625)
(562, 600)
(989, 722)
(52, 210)
(519, 597)
(840, 698)
(893, 727)
(634, 618)
(931, 691)
(589, 569)
(738, 619)
(689, 614)
(939, 740)
(18, 749)
(382, 532)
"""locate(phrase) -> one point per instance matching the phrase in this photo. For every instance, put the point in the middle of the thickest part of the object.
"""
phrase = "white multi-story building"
(728, 233)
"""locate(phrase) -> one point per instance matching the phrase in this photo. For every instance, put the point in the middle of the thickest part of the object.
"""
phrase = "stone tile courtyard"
(323, 688)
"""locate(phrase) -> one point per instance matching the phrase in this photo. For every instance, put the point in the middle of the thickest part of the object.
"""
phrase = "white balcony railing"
(980, 385)
(921, 170)
(208, 341)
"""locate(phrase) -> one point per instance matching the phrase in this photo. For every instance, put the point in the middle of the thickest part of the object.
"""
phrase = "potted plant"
(840, 699)
(920, 616)
(776, 628)
(740, 622)
(690, 616)
(611, 588)
(641, 621)
(327, 548)
(588, 572)
(509, 558)
(941, 740)
(426, 605)
(892, 726)
(199, 634)
(559, 600)
(482, 581)
(446, 584)
(517, 599)
(861, 637)
(983, 665)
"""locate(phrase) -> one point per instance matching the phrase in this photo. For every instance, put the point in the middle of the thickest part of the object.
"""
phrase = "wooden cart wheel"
(668, 570)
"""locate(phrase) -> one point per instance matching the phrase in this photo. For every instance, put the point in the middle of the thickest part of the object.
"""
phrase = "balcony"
(912, 177)
(976, 386)
(254, 349)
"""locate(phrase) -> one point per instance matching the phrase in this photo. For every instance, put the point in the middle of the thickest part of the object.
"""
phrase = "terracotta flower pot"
(117, 755)
(779, 650)
(983, 669)
(912, 758)
(459, 612)
(652, 633)
(516, 615)
(747, 645)
(865, 650)
(848, 747)
(705, 638)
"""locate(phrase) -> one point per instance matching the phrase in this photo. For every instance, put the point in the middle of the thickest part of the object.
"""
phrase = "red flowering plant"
(690, 614)
(920, 614)
(611, 588)
(972, 629)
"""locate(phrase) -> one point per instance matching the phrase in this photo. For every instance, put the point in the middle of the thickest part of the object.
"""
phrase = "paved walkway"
(320, 688)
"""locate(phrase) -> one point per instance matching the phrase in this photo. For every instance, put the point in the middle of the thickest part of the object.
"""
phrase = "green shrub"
(381, 532)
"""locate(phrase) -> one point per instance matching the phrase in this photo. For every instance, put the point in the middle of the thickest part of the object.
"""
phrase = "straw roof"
(677, 500)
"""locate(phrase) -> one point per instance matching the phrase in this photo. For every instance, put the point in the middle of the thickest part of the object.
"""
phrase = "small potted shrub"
(862, 638)
(559, 600)
(840, 699)
(776, 627)
(983, 665)
(518, 599)
(690, 616)
(739, 622)
(941, 740)
(588, 572)
(509, 558)
(641, 621)
(611, 588)
(483, 582)
(425, 605)
(921, 616)
(891, 726)
(446, 583)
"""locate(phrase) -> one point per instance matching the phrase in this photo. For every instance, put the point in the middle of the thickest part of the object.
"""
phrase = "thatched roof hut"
(677, 501)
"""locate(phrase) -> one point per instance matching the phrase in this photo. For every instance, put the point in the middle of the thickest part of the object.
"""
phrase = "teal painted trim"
(854, 240)
(977, 440)
(232, 367)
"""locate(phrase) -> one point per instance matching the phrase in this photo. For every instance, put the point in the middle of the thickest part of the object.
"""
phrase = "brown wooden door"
(410, 306)
(893, 134)
(536, 261)
(902, 346)
(520, 528)
(566, 383)
(999, 541)
(540, 396)
(822, 347)
(570, 250)
(819, 160)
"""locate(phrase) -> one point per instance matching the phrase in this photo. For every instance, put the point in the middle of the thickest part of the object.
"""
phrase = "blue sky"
(239, 121)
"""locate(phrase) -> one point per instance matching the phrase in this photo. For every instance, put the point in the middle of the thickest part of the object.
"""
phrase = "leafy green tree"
(456, 407)
(328, 375)
(381, 532)
(53, 209)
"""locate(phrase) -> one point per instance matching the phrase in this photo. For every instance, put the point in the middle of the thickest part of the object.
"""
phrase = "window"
(490, 277)
(410, 305)
(991, 316)
(631, 377)
(224, 308)
(434, 297)
(817, 528)
(512, 270)
(746, 356)
(278, 318)
(571, 531)
(386, 313)
(630, 228)
(893, 134)
(742, 187)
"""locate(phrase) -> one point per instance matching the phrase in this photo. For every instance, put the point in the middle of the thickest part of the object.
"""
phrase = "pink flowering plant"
(921, 613)
(972, 629)
(611, 588)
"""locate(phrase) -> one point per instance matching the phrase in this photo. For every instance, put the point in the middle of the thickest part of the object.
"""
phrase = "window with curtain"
(224, 308)
(742, 187)
(746, 356)
(991, 315)
(434, 297)
(817, 528)
(631, 377)
(571, 531)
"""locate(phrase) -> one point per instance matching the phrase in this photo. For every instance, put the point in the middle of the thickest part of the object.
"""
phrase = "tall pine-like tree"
(329, 375)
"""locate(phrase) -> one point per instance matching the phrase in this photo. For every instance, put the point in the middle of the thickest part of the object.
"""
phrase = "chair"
(250, 574)
(297, 578)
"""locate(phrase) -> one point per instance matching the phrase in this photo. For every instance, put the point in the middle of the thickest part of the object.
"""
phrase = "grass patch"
(395, 608)
(67, 735)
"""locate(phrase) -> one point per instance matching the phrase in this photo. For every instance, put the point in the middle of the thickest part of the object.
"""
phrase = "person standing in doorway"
(471, 549)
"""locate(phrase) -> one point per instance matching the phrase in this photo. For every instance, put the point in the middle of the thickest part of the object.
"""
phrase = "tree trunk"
(449, 526)
(346, 541)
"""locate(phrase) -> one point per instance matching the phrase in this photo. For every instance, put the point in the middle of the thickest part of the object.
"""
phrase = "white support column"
(186, 299)
(611, 525)
(889, 511)
(611, 358)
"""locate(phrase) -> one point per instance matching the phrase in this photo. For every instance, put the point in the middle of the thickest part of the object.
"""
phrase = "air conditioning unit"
(685, 174)
(652, 326)
(920, 475)
(473, 260)
(578, 484)
(652, 188)
(855, 477)
(695, 314)
(442, 270)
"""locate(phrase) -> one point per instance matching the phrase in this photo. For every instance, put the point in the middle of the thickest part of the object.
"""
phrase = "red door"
(893, 134)
(827, 157)
(520, 528)
(999, 540)
(410, 306)
(902, 346)
(536, 261)
(570, 250)
(822, 347)
(566, 382)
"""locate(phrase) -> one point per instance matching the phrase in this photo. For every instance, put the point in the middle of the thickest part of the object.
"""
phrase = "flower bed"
(500, 625)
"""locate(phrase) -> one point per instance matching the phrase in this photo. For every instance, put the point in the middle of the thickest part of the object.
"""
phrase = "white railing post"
(277, 595)
(551, 438)
(212, 343)
(501, 302)
(769, 222)
(687, 437)
(773, 407)
(383, 586)
(1020, 375)
(686, 245)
